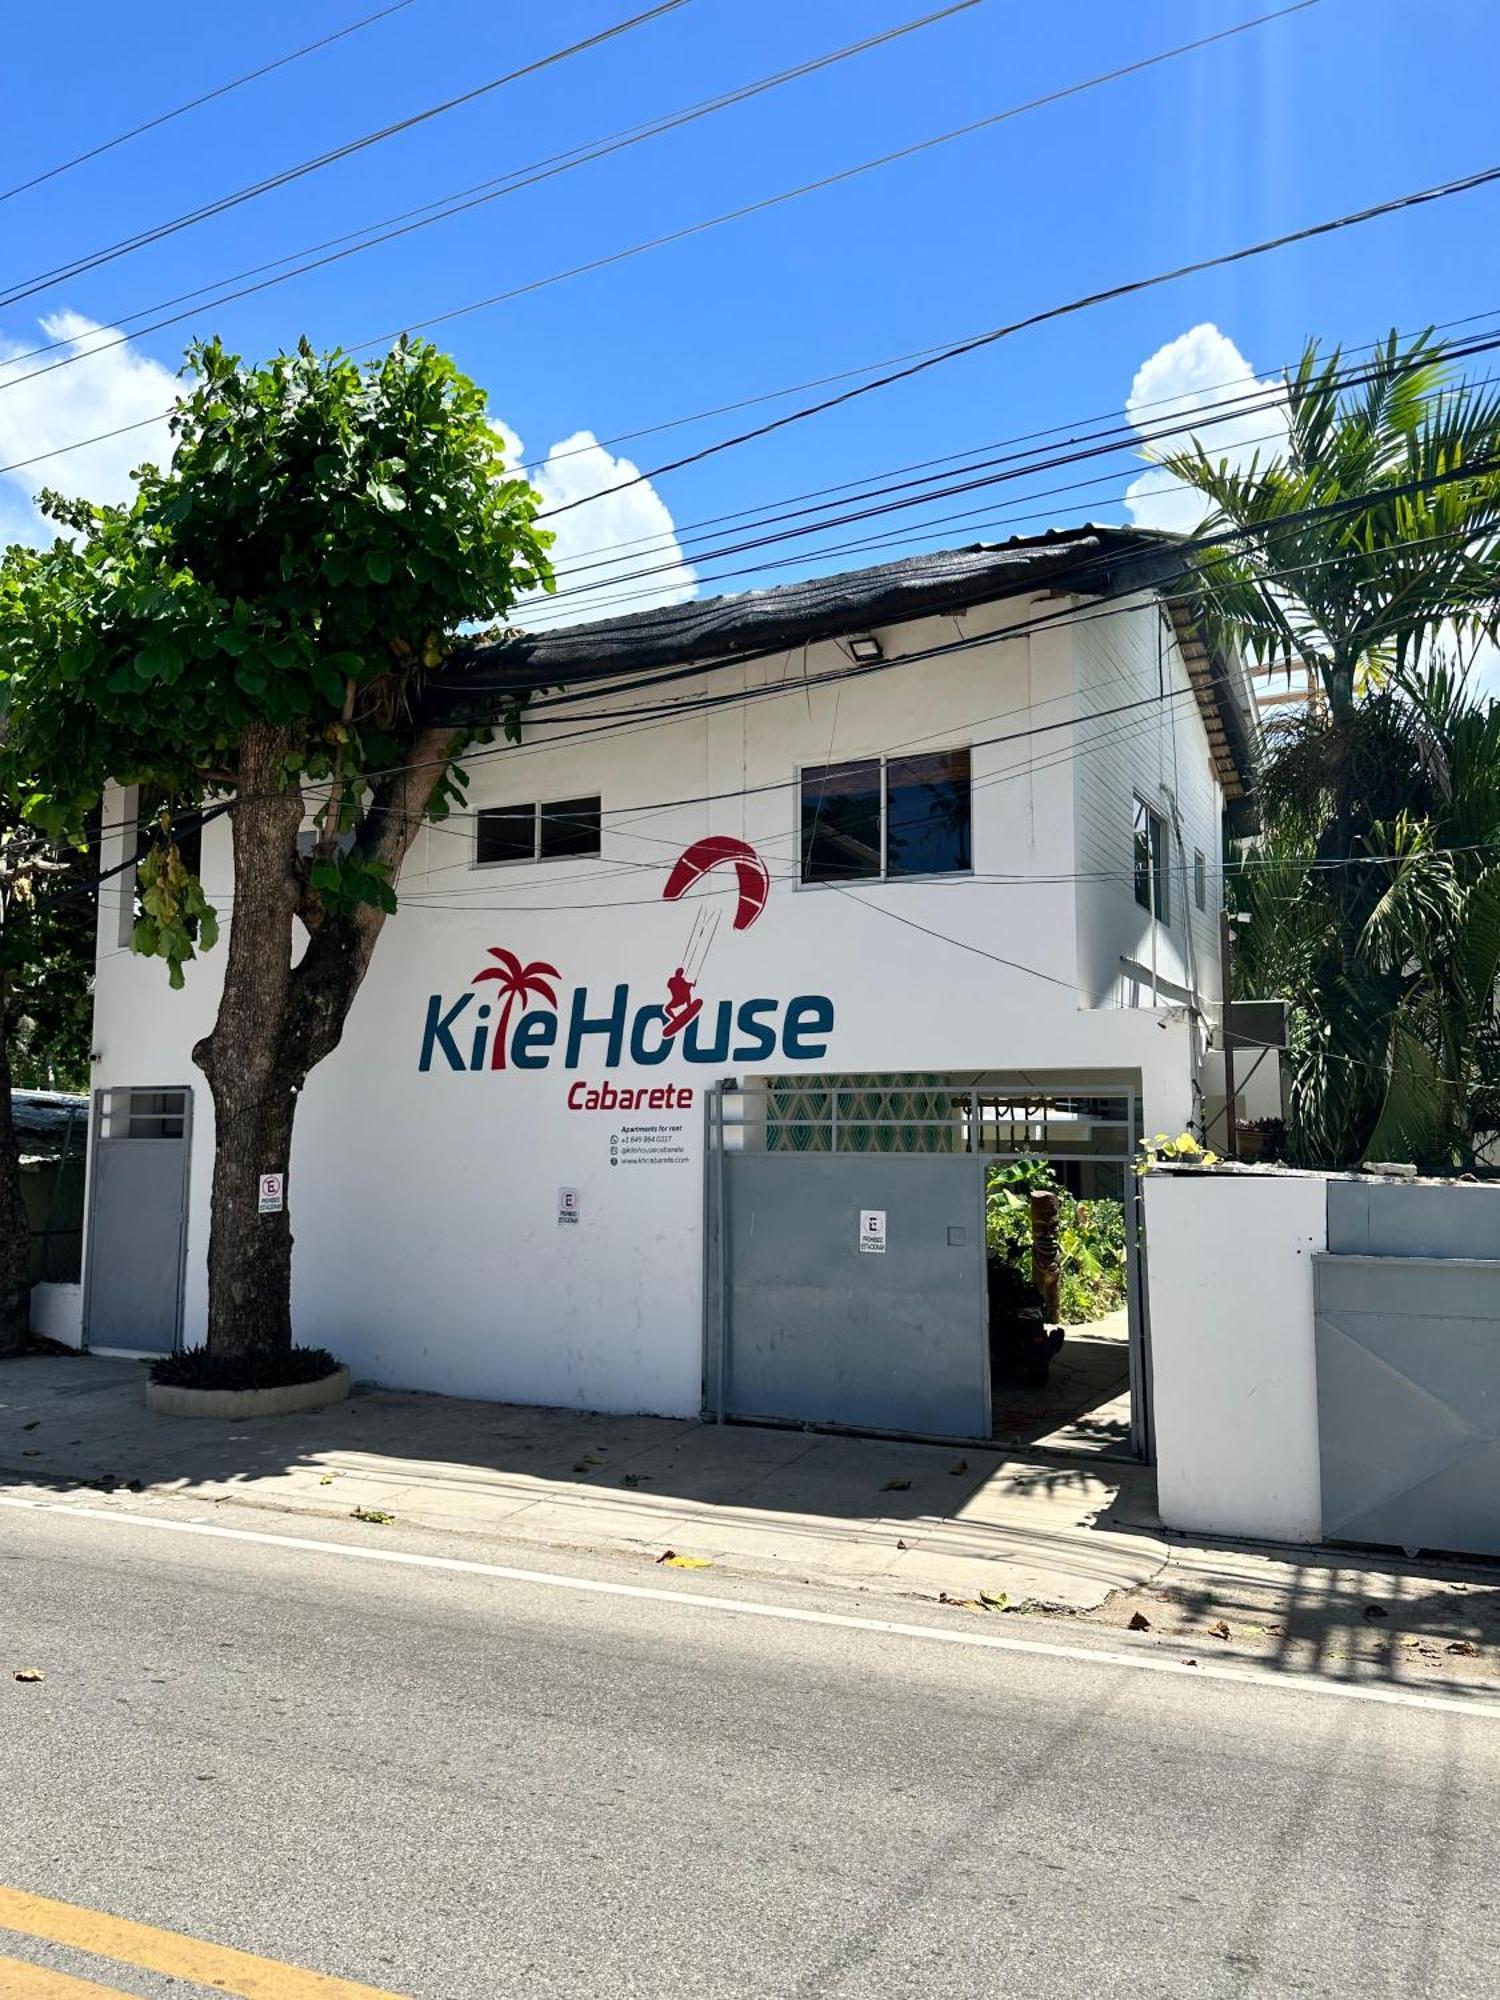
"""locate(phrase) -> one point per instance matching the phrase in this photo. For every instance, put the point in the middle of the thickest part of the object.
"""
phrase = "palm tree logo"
(517, 982)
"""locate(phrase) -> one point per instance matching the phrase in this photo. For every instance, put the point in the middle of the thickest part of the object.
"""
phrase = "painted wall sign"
(567, 1205)
(523, 1024)
(872, 1232)
(272, 1194)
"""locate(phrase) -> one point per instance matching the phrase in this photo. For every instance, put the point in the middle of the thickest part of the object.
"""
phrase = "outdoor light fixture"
(866, 648)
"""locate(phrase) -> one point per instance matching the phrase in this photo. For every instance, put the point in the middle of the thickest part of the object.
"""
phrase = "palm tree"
(1372, 535)
(1368, 547)
(516, 982)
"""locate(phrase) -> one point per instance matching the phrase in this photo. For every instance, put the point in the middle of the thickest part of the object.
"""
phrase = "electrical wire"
(1010, 472)
(464, 200)
(62, 273)
(671, 236)
(1127, 434)
(1441, 191)
(207, 97)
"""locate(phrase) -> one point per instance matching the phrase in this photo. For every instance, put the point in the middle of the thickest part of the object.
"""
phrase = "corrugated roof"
(1090, 560)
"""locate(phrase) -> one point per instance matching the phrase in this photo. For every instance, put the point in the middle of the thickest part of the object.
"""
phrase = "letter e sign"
(872, 1232)
(272, 1194)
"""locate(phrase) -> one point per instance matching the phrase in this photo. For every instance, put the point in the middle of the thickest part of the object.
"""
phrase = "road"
(458, 1785)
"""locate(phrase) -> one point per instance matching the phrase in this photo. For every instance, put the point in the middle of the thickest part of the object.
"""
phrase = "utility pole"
(1231, 1122)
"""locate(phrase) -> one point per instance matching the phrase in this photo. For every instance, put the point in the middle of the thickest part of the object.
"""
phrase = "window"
(144, 1114)
(561, 831)
(886, 816)
(1151, 862)
(1200, 879)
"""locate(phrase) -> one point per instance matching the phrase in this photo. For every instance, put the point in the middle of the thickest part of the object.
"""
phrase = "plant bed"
(196, 1383)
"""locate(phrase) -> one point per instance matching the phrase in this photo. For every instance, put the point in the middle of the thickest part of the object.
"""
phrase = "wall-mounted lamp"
(867, 648)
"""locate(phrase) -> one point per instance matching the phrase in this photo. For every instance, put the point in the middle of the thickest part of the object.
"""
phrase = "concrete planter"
(170, 1401)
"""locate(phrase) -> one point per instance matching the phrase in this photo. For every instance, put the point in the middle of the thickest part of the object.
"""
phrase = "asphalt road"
(467, 1787)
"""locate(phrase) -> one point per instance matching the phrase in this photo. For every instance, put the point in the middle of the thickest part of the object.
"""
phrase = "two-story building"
(675, 1080)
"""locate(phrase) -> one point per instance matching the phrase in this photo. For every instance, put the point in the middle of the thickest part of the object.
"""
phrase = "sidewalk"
(899, 1521)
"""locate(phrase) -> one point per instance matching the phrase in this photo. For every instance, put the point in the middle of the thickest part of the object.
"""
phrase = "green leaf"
(378, 566)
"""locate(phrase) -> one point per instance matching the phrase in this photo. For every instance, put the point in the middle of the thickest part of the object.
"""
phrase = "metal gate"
(845, 1242)
(1407, 1335)
(138, 1219)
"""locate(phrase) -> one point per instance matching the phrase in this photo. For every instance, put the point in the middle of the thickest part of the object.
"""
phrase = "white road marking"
(1480, 1705)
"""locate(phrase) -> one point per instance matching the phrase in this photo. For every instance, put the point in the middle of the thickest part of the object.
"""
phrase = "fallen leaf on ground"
(583, 1468)
(959, 1467)
(1219, 1631)
(376, 1514)
(674, 1561)
(30, 1674)
(960, 1603)
(994, 1600)
(896, 1486)
(326, 1480)
(31, 1454)
(1465, 1646)
(633, 1478)
(1277, 1631)
(1190, 1663)
(900, 1545)
(1376, 1611)
(32, 1425)
(1139, 1622)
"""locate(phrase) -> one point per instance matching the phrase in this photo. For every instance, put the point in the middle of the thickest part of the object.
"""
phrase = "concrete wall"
(57, 1312)
(1230, 1271)
(425, 1206)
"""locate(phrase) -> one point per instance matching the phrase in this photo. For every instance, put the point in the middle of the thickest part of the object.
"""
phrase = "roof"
(1090, 560)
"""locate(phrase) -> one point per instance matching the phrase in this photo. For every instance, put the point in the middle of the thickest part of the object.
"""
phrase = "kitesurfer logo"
(469, 1033)
(714, 851)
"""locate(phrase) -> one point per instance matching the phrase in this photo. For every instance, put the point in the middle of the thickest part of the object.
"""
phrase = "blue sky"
(1303, 118)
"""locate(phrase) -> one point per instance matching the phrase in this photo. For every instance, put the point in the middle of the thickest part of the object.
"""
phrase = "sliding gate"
(845, 1242)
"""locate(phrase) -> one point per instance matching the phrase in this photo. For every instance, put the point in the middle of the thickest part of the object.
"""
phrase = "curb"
(169, 1400)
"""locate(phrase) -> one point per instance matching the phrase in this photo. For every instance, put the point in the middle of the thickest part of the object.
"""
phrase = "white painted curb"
(168, 1400)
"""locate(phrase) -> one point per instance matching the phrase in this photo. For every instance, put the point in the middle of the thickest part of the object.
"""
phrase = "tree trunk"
(15, 1228)
(250, 1254)
(276, 1022)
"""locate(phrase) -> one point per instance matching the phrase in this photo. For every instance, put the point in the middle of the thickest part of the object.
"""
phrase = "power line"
(881, 499)
(287, 175)
(671, 236)
(207, 97)
(1417, 198)
(495, 189)
(1128, 433)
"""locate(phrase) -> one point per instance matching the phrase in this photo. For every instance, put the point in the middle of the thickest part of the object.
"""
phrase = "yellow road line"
(170, 1952)
(21, 1981)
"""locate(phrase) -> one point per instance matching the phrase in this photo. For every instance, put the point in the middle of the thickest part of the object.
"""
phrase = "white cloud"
(119, 387)
(619, 552)
(1201, 367)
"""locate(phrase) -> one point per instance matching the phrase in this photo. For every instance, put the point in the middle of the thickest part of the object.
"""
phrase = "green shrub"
(1090, 1238)
(196, 1368)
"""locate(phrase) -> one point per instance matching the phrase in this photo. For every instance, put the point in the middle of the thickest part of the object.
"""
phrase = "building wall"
(1233, 1366)
(1156, 751)
(425, 1205)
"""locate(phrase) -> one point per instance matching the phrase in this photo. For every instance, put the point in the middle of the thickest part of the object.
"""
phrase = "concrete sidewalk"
(893, 1520)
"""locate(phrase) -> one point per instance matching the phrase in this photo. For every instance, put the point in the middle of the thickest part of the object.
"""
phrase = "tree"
(46, 958)
(1369, 548)
(252, 637)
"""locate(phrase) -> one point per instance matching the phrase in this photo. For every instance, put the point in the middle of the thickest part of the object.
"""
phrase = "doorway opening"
(874, 1263)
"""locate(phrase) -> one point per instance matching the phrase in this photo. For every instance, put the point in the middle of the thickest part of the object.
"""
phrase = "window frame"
(884, 759)
(1158, 870)
(538, 809)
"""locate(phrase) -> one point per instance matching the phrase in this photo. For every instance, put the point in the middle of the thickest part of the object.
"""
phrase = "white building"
(967, 814)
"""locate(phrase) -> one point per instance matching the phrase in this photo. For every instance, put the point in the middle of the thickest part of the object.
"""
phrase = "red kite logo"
(715, 850)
